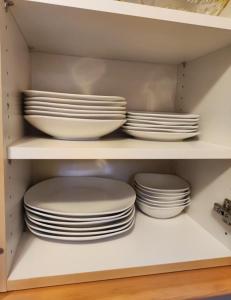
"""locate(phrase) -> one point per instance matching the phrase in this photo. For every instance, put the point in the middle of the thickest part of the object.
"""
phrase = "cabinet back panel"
(145, 86)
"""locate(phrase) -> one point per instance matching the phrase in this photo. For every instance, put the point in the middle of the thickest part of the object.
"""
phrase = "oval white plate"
(78, 221)
(60, 101)
(88, 228)
(73, 115)
(158, 129)
(165, 123)
(79, 234)
(165, 115)
(80, 196)
(163, 182)
(34, 93)
(161, 136)
(74, 129)
(73, 108)
(79, 239)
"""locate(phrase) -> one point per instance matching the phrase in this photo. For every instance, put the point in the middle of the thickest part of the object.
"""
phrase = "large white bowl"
(76, 109)
(60, 102)
(160, 213)
(162, 182)
(74, 129)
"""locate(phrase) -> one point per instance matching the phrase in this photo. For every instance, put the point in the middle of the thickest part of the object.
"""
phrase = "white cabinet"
(160, 60)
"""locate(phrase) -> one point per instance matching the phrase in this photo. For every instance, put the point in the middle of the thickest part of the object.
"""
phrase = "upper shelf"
(119, 30)
(115, 148)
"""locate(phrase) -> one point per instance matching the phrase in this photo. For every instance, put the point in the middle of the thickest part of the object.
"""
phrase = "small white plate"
(161, 194)
(77, 222)
(162, 182)
(68, 228)
(74, 129)
(72, 115)
(164, 204)
(165, 123)
(60, 101)
(158, 129)
(150, 196)
(165, 115)
(188, 121)
(34, 93)
(79, 239)
(79, 234)
(161, 136)
(80, 196)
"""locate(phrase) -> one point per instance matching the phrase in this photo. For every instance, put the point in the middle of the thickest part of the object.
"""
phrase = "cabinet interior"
(200, 85)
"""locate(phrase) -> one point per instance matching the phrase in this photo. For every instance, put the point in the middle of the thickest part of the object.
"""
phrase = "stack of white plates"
(161, 195)
(73, 116)
(79, 208)
(162, 126)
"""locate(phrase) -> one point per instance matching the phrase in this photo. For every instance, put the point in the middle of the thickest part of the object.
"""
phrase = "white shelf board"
(115, 148)
(152, 242)
(119, 30)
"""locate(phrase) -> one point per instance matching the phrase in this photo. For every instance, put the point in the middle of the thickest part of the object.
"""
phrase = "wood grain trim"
(113, 274)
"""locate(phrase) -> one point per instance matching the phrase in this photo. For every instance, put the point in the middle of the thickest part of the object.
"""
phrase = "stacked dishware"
(162, 195)
(162, 126)
(79, 208)
(74, 116)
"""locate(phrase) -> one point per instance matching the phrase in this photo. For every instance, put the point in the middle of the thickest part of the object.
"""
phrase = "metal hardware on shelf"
(8, 3)
(1, 251)
(224, 210)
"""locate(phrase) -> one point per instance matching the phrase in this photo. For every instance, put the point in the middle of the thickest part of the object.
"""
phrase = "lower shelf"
(161, 243)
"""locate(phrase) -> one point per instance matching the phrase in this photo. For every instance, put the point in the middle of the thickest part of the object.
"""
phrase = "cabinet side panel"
(204, 88)
(210, 180)
(15, 77)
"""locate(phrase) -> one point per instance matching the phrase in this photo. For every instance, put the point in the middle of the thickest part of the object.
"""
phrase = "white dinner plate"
(60, 101)
(74, 107)
(151, 126)
(78, 221)
(74, 129)
(120, 115)
(111, 225)
(79, 239)
(161, 136)
(84, 196)
(166, 123)
(162, 182)
(79, 234)
(146, 129)
(165, 115)
(34, 93)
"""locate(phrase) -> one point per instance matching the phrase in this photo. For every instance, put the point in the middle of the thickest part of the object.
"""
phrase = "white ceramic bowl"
(161, 193)
(160, 213)
(164, 204)
(161, 198)
(162, 182)
(74, 129)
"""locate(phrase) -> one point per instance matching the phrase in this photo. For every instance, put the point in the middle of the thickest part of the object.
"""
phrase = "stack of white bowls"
(162, 126)
(79, 208)
(162, 195)
(74, 116)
